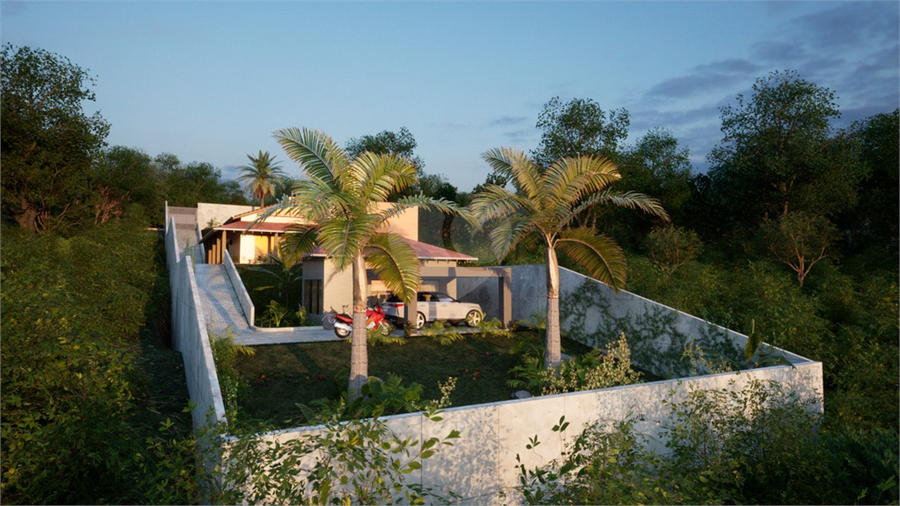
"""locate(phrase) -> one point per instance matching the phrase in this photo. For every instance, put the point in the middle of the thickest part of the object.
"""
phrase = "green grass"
(281, 376)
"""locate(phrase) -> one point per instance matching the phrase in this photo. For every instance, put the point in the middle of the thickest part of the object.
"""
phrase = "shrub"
(360, 462)
(593, 370)
(759, 445)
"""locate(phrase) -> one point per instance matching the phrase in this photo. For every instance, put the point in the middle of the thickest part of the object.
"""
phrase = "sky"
(211, 81)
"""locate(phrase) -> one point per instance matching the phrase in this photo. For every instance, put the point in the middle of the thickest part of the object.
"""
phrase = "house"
(248, 241)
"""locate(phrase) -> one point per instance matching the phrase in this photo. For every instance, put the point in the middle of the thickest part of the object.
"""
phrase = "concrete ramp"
(223, 311)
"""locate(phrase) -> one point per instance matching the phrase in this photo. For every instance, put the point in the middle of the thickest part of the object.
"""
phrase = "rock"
(521, 394)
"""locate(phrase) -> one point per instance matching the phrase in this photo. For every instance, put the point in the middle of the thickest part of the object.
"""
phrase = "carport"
(502, 275)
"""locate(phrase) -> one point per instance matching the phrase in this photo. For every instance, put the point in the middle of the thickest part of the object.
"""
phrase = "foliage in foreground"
(360, 461)
(600, 368)
(82, 420)
(760, 445)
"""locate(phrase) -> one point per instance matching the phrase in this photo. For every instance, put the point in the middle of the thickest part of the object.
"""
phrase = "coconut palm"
(544, 209)
(338, 198)
(260, 176)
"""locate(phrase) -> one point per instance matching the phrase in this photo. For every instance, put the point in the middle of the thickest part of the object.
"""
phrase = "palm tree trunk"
(359, 355)
(552, 351)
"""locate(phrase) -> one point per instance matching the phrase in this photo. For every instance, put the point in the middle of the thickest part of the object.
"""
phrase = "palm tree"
(544, 208)
(338, 197)
(260, 176)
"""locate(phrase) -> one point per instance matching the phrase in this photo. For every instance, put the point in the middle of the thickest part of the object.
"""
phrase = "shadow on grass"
(281, 376)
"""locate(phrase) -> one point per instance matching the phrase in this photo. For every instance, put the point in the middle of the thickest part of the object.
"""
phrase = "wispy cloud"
(509, 121)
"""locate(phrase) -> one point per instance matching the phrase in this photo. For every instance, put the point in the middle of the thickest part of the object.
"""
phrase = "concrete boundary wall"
(482, 462)
(190, 337)
(240, 290)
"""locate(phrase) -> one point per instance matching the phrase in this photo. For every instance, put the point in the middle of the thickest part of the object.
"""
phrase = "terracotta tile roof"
(423, 251)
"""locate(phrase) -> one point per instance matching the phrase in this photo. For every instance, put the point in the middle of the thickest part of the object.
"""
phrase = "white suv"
(433, 306)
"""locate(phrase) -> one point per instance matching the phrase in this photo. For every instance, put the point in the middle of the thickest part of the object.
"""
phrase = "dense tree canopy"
(49, 143)
(401, 143)
(579, 127)
(779, 153)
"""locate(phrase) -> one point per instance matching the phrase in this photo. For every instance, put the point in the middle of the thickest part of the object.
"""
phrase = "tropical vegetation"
(546, 208)
(340, 197)
(93, 398)
(260, 176)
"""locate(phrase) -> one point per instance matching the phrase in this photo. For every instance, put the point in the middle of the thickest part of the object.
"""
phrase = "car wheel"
(420, 320)
(473, 318)
(385, 328)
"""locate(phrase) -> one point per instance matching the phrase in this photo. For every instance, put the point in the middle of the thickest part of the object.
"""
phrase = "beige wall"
(405, 224)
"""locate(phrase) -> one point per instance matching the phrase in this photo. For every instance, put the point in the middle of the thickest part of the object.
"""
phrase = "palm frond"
(395, 263)
(302, 241)
(506, 232)
(425, 203)
(344, 238)
(514, 163)
(315, 151)
(570, 179)
(629, 200)
(379, 175)
(599, 254)
(495, 202)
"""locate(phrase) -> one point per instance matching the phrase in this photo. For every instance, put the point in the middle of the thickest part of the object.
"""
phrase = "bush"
(760, 445)
(76, 413)
(593, 370)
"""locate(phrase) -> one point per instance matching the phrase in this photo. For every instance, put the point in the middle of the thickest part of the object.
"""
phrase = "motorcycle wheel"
(385, 328)
(341, 333)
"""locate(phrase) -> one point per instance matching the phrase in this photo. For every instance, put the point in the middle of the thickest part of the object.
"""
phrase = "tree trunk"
(552, 351)
(359, 355)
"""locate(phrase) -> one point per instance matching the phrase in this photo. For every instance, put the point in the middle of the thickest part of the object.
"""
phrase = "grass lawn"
(281, 376)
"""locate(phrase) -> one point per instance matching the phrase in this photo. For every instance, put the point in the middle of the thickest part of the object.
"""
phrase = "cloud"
(851, 24)
(508, 121)
(704, 78)
(12, 7)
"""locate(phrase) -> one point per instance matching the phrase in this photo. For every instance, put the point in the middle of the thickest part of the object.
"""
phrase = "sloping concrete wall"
(189, 334)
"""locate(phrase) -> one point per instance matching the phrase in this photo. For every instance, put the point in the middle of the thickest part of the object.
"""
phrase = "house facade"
(249, 241)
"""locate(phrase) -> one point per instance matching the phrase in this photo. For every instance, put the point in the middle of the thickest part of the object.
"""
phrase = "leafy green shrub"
(671, 246)
(360, 462)
(760, 445)
(442, 333)
(75, 417)
(596, 369)
(225, 354)
(277, 315)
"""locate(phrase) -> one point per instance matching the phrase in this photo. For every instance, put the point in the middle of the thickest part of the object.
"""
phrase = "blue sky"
(211, 80)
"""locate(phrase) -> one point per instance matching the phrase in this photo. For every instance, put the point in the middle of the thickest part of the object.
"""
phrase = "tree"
(799, 240)
(48, 142)
(545, 208)
(339, 197)
(658, 167)
(186, 185)
(670, 247)
(874, 220)
(579, 127)
(401, 143)
(123, 176)
(778, 153)
(260, 176)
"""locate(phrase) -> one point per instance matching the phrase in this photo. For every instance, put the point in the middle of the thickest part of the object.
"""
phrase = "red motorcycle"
(375, 320)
